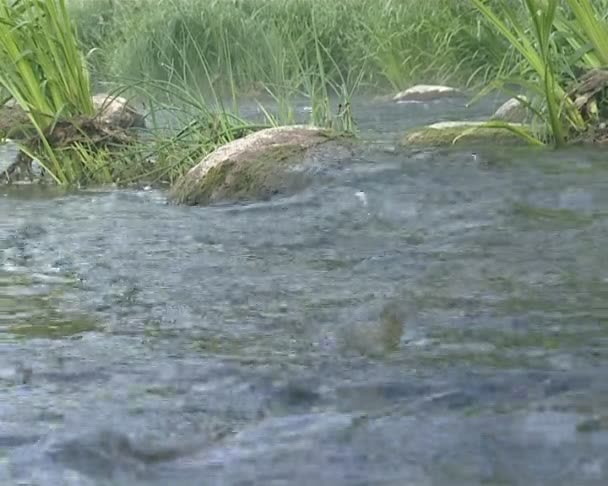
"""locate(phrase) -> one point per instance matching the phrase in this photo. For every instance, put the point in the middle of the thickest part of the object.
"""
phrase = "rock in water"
(257, 166)
(512, 110)
(426, 92)
(375, 335)
(450, 132)
(117, 112)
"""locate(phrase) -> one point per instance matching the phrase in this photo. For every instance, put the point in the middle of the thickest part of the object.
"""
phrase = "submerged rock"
(375, 335)
(512, 110)
(257, 166)
(426, 92)
(447, 133)
(117, 112)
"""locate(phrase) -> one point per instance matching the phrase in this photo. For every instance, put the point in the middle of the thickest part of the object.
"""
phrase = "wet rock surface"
(260, 165)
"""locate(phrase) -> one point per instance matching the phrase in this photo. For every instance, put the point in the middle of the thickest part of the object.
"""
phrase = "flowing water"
(418, 317)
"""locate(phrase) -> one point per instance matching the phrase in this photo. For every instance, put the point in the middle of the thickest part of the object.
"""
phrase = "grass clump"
(42, 67)
(557, 43)
(43, 70)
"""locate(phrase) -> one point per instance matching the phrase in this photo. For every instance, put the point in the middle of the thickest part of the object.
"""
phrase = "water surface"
(414, 317)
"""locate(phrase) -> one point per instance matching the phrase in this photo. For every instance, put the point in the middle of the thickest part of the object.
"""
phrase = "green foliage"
(554, 40)
(42, 68)
(185, 127)
(591, 29)
(253, 44)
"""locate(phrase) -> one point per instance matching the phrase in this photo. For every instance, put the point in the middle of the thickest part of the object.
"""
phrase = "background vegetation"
(251, 44)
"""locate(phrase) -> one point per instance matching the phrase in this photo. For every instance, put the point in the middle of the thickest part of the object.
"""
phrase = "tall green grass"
(202, 120)
(555, 40)
(43, 70)
(42, 67)
(251, 44)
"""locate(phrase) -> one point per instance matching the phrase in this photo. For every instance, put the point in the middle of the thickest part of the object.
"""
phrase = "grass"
(194, 60)
(189, 122)
(42, 67)
(43, 70)
(249, 45)
(186, 124)
(199, 57)
(554, 41)
(50, 82)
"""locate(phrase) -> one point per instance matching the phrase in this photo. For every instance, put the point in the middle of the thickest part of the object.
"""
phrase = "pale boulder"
(256, 167)
(426, 92)
(451, 132)
(116, 111)
(512, 110)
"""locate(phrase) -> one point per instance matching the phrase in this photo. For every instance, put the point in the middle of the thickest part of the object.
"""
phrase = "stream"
(414, 317)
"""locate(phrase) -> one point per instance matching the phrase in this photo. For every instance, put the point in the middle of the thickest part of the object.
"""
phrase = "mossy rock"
(258, 166)
(460, 132)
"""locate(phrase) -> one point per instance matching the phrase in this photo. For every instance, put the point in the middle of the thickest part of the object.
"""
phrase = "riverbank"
(192, 65)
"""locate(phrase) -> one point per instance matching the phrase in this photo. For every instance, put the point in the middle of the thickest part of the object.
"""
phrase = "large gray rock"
(117, 112)
(512, 110)
(426, 92)
(259, 165)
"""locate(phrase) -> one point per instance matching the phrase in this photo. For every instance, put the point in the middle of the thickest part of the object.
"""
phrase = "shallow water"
(424, 318)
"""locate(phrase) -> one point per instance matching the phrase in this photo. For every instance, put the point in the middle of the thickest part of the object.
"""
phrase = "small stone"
(512, 110)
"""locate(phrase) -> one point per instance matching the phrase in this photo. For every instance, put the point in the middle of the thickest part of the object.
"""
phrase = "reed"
(251, 44)
(555, 40)
(43, 70)
(42, 67)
